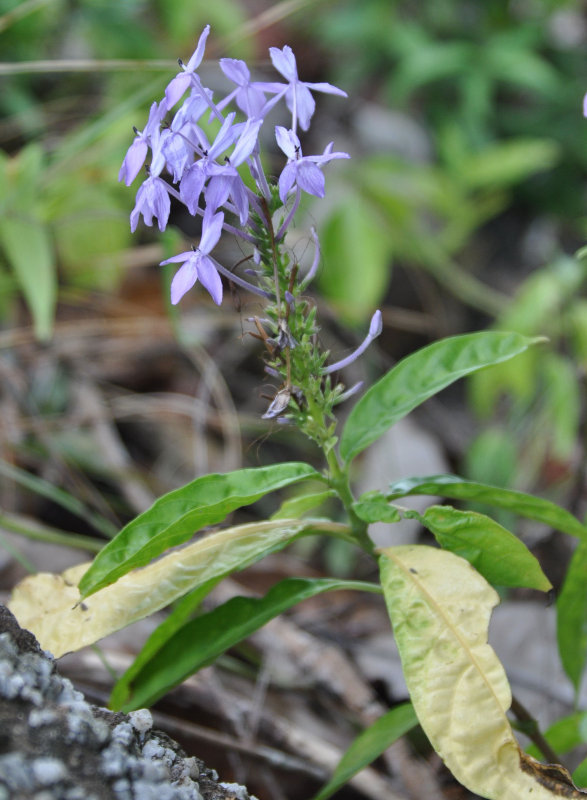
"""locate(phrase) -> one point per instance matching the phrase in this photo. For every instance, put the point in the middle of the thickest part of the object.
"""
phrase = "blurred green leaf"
(563, 735)
(296, 507)
(358, 254)
(571, 616)
(27, 246)
(369, 745)
(508, 163)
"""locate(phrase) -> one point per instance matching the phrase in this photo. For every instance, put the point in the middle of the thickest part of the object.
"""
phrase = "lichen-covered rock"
(55, 746)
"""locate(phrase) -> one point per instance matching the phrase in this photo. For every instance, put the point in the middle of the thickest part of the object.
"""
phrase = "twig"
(529, 726)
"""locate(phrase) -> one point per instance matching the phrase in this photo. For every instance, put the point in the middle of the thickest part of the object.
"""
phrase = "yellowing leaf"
(49, 605)
(440, 609)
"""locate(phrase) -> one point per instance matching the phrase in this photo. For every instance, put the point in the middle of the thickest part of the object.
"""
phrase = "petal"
(176, 259)
(235, 70)
(310, 178)
(284, 61)
(226, 136)
(210, 278)
(287, 180)
(198, 53)
(157, 202)
(305, 105)
(176, 87)
(211, 230)
(246, 143)
(287, 141)
(217, 192)
(326, 87)
(191, 186)
(133, 161)
(184, 279)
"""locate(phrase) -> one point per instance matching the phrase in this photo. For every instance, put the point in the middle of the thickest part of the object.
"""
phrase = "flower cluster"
(204, 172)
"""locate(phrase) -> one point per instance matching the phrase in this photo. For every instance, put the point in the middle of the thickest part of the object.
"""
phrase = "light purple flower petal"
(310, 178)
(133, 160)
(198, 53)
(217, 190)
(191, 185)
(210, 279)
(176, 88)
(284, 61)
(176, 259)
(327, 88)
(287, 141)
(185, 277)
(235, 70)
(287, 180)
(305, 104)
(152, 201)
(211, 231)
(246, 143)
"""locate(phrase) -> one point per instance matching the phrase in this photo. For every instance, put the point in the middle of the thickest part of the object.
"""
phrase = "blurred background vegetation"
(463, 208)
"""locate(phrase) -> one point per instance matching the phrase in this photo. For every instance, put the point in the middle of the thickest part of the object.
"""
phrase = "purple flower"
(180, 83)
(196, 175)
(137, 152)
(248, 96)
(298, 97)
(302, 171)
(198, 265)
(225, 181)
(152, 201)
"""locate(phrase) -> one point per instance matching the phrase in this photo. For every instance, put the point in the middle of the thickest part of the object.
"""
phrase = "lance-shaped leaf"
(50, 606)
(369, 745)
(497, 554)
(525, 505)
(440, 609)
(175, 517)
(571, 617)
(201, 640)
(420, 376)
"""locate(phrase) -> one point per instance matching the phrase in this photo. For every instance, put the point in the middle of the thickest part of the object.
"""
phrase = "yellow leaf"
(440, 608)
(49, 605)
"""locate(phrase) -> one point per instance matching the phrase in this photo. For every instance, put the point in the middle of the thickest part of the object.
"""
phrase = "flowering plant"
(439, 599)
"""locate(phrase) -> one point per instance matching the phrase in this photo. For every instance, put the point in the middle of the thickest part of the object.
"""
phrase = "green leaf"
(564, 735)
(354, 240)
(374, 507)
(497, 554)
(580, 775)
(571, 616)
(176, 516)
(420, 376)
(183, 610)
(295, 507)
(27, 246)
(200, 641)
(520, 503)
(369, 745)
